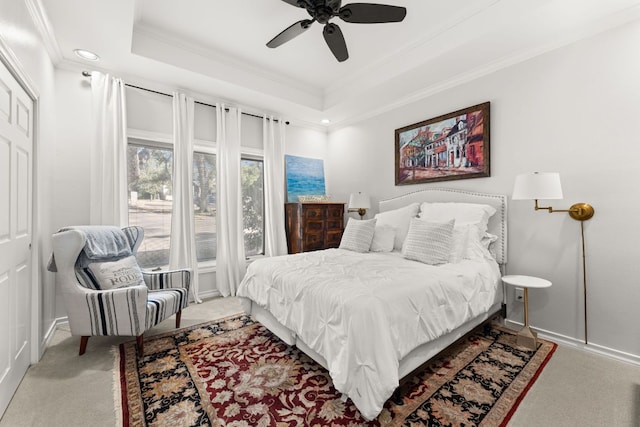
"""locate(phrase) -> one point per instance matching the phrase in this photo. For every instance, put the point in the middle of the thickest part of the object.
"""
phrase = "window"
(252, 181)
(150, 200)
(204, 204)
(150, 193)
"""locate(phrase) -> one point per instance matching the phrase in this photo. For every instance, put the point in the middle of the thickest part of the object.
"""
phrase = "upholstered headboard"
(497, 223)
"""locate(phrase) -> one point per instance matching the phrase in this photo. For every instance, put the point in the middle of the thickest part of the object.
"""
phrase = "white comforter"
(364, 312)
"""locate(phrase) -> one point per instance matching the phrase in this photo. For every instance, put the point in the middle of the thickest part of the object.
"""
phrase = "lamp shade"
(359, 201)
(537, 185)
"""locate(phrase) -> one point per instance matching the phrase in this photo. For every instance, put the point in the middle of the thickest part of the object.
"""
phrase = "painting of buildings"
(453, 146)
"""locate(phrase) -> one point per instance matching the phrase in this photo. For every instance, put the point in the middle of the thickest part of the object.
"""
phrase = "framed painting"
(452, 146)
(305, 177)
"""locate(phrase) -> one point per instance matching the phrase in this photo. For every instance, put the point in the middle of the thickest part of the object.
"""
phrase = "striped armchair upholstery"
(125, 311)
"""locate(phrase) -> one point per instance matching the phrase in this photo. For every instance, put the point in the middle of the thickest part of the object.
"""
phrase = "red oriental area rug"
(234, 372)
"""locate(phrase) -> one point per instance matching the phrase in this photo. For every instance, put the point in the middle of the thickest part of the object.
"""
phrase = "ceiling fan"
(323, 10)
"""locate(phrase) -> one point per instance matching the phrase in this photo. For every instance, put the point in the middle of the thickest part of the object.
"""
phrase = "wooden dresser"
(313, 226)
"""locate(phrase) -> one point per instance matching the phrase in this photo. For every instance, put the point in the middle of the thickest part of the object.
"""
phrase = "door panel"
(5, 102)
(23, 195)
(22, 300)
(5, 187)
(16, 171)
(5, 330)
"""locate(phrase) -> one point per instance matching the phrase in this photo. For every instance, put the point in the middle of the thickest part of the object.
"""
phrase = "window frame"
(256, 155)
(164, 141)
(155, 141)
(207, 147)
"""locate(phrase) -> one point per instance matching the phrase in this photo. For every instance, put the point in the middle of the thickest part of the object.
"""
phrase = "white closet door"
(16, 148)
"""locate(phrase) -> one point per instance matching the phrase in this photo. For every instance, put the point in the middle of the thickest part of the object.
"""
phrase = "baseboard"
(214, 293)
(46, 340)
(580, 345)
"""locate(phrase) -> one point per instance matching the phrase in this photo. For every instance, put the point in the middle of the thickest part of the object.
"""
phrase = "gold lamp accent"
(359, 202)
(577, 211)
(547, 186)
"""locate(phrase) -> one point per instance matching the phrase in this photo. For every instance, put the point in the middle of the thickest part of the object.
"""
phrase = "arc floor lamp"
(547, 186)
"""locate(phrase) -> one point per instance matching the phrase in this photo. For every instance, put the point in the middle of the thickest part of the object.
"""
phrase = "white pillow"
(479, 248)
(460, 242)
(428, 242)
(399, 219)
(383, 238)
(462, 213)
(358, 235)
(116, 274)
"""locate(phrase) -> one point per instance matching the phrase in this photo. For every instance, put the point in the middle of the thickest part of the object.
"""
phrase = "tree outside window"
(252, 180)
(150, 201)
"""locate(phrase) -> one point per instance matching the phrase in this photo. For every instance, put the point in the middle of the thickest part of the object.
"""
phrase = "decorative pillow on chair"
(358, 235)
(115, 274)
(428, 242)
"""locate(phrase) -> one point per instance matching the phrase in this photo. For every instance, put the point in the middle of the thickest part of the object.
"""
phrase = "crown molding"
(611, 22)
(387, 66)
(43, 25)
(9, 58)
(224, 59)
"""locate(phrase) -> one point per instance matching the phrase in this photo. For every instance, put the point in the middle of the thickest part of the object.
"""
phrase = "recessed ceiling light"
(325, 121)
(86, 55)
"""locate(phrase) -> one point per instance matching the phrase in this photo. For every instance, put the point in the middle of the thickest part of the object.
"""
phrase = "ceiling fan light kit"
(323, 10)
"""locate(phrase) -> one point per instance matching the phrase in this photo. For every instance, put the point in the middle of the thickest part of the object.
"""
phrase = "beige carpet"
(575, 389)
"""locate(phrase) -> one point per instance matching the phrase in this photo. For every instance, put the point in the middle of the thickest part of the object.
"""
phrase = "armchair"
(104, 290)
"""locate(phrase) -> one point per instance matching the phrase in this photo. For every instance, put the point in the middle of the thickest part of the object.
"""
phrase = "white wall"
(571, 111)
(19, 36)
(71, 166)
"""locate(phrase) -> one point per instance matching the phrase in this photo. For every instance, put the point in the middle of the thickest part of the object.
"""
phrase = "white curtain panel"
(182, 253)
(109, 152)
(230, 258)
(275, 238)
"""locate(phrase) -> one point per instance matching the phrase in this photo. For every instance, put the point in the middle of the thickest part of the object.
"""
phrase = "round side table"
(526, 336)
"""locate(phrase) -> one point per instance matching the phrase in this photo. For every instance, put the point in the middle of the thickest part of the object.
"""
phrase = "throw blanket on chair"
(103, 242)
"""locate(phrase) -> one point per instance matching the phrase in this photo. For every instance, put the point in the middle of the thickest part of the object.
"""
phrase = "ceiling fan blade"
(369, 13)
(296, 3)
(335, 40)
(291, 32)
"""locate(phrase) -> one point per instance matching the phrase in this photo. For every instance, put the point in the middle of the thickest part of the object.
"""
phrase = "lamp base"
(581, 211)
(527, 338)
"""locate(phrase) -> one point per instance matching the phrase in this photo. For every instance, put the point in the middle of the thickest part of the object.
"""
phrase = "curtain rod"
(88, 74)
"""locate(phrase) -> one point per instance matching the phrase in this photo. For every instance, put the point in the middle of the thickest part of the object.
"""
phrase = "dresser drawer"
(335, 212)
(313, 241)
(333, 238)
(314, 226)
(314, 212)
(334, 224)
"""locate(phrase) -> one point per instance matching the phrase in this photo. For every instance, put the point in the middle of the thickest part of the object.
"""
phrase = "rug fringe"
(116, 386)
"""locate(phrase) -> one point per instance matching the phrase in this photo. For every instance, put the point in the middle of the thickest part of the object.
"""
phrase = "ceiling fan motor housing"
(322, 11)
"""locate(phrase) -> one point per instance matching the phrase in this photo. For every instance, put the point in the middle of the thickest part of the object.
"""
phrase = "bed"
(372, 318)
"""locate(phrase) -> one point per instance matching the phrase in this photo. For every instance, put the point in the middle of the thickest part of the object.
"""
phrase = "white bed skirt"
(408, 364)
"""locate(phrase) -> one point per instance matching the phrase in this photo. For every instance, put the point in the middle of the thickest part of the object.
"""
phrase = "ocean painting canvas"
(305, 176)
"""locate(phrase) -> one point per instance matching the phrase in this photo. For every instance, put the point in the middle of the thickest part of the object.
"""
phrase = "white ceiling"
(217, 47)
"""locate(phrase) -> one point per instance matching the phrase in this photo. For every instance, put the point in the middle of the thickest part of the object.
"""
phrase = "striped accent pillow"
(428, 242)
(358, 235)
